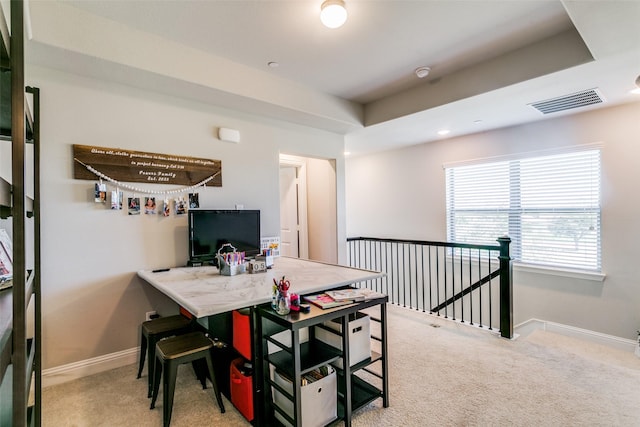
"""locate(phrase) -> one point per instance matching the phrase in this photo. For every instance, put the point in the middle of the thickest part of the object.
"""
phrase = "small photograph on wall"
(166, 208)
(100, 193)
(116, 199)
(134, 206)
(194, 201)
(181, 206)
(150, 205)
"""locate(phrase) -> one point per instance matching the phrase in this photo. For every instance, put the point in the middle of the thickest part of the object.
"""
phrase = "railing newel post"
(506, 288)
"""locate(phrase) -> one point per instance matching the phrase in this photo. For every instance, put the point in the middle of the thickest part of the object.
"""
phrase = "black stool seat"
(153, 331)
(175, 351)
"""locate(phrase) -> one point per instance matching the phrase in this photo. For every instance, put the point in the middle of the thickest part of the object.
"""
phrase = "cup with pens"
(281, 299)
(232, 262)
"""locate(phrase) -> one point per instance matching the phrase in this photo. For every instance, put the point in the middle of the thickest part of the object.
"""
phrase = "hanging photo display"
(194, 201)
(150, 205)
(181, 206)
(134, 206)
(100, 193)
(116, 199)
(118, 165)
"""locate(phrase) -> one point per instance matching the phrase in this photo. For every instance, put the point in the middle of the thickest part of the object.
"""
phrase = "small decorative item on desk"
(256, 266)
(282, 304)
(230, 263)
(267, 257)
(297, 305)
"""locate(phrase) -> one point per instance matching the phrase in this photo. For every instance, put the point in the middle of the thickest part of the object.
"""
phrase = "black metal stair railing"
(465, 282)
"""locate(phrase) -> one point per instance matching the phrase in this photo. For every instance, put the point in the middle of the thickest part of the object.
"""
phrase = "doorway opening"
(308, 212)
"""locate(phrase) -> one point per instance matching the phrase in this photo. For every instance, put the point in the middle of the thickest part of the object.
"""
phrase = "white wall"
(401, 194)
(93, 301)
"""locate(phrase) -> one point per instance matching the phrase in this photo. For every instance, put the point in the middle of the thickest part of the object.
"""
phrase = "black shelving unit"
(353, 392)
(20, 354)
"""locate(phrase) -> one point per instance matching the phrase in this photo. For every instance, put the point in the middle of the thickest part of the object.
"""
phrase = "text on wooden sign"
(138, 166)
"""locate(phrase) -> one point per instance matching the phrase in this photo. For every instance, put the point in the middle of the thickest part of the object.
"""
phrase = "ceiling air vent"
(567, 102)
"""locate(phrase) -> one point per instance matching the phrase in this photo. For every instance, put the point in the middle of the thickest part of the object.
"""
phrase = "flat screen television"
(210, 229)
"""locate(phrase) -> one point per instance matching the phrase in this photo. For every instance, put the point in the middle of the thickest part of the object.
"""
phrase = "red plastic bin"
(242, 332)
(241, 389)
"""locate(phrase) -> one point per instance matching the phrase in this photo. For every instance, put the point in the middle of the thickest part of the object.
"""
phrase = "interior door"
(289, 237)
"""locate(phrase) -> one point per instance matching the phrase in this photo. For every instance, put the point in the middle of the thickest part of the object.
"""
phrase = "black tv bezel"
(210, 258)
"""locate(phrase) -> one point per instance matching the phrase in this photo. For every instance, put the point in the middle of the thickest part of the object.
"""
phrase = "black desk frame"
(266, 322)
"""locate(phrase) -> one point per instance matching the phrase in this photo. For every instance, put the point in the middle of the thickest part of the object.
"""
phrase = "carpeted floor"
(441, 374)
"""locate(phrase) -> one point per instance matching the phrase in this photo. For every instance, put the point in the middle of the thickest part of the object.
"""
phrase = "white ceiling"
(489, 58)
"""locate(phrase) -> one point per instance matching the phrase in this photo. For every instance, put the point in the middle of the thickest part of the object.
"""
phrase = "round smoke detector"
(422, 72)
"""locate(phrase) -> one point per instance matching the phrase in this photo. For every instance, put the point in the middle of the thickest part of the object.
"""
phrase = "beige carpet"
(441, 374)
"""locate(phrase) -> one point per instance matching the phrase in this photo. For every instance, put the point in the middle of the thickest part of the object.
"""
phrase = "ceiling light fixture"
(443, 132)
(422, 72)
(333, 13)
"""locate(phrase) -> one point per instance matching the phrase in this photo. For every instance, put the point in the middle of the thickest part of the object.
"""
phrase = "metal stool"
(153, 331)
(175, 351)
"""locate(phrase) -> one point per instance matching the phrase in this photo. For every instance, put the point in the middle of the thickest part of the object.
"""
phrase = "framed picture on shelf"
(6, 260)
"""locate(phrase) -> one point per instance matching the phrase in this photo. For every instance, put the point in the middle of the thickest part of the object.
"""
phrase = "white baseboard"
(525, 328)
(83, 368)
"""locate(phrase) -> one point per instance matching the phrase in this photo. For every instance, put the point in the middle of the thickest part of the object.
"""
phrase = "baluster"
(424, 298)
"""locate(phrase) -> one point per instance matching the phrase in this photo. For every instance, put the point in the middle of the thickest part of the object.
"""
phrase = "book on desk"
(323, 300)
(338, 297)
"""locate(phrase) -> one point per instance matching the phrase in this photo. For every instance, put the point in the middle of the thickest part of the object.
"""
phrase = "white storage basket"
(318, 400)
(359, 338)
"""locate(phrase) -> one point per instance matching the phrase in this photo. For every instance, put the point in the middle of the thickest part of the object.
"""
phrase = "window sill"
(562, 272)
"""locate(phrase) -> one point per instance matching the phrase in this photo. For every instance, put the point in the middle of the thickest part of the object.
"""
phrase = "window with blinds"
(549, 206)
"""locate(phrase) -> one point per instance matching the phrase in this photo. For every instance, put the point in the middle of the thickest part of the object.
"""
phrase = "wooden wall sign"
(139, 166)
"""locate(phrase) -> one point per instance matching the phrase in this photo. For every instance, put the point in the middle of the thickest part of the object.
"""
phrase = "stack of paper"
(344, 296)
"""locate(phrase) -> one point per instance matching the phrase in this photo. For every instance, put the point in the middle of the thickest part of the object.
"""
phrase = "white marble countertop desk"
(203, 291)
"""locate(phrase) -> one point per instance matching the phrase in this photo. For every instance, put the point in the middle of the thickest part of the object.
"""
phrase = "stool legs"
(143, 353)
(168, 389)
(200, 368)
(167, 370)
(147, 349)
(216, 390)
(151, 356)
(156, 385)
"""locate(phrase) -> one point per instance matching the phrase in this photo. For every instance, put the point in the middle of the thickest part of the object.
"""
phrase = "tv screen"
(210, 229)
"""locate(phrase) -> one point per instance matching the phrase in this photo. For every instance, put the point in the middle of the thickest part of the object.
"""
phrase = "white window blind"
(549, 206)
